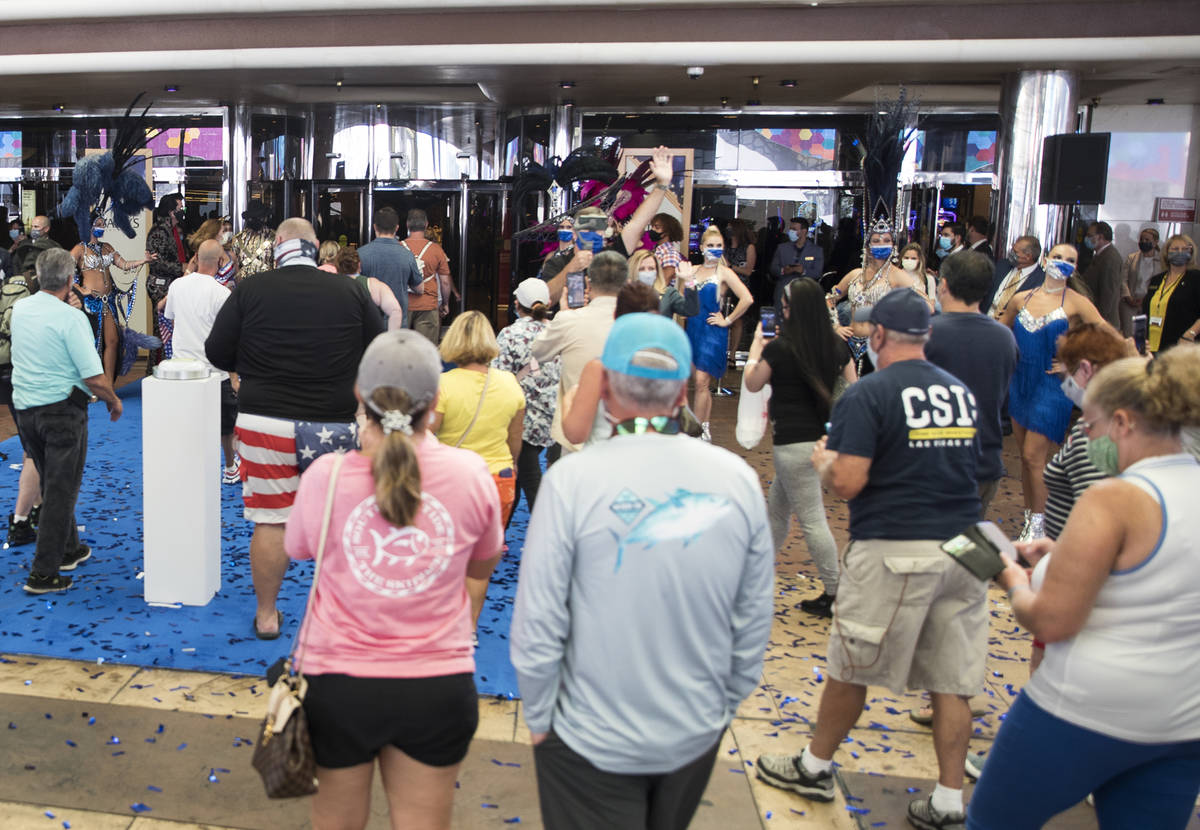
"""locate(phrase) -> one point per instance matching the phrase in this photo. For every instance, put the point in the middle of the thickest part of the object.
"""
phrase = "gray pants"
(55, 436)
(575, 795)
(797, 489)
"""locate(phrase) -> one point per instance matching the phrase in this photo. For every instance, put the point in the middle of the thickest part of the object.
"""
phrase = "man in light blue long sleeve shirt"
(644, 602)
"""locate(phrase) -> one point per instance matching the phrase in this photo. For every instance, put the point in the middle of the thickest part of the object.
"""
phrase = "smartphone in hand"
(575, 290)
(766, 315)
(1141, 330)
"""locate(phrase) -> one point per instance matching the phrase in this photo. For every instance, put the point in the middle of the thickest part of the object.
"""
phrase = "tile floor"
(775, 718)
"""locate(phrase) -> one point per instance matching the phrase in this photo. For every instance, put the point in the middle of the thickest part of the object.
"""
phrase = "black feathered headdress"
(889, 132)
(107, 179)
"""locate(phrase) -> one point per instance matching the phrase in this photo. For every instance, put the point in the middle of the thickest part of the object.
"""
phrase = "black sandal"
(268, 635)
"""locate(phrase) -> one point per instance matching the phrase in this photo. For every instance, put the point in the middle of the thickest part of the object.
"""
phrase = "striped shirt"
(1067, 475)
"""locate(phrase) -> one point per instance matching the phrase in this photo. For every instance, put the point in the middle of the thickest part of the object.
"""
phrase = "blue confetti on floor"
(103, 618)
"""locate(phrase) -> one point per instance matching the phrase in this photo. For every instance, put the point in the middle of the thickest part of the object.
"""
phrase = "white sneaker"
(232, 475)
(705, 435)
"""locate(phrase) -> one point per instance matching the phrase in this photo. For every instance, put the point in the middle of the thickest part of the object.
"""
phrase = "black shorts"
(228, 407)
(430, 719)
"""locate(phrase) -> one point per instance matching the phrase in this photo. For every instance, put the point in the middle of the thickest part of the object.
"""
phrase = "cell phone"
(575, 290)
(767, 315)
(1141, 330)
(593, 222)
(978, 549)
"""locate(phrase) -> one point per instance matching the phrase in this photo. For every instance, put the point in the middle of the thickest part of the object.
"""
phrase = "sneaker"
(974, 764)
(38, 584)
(787, 773)
(1022, 536)
(233, 475)
(21, 533)
(922, 814)
(821, 606)
(82, 554)
(705, 435)
(34, 515)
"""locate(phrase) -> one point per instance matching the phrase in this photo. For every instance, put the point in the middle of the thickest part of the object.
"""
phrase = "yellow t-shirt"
(458, 398)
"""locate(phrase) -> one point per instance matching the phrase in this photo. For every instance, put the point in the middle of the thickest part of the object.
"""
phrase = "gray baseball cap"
(402, 359)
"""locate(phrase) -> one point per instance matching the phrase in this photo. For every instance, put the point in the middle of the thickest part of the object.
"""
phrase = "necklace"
(1046, 290)
(878, 274)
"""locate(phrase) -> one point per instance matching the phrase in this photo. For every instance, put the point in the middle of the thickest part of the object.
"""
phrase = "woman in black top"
(1173, 298)
(803, 365)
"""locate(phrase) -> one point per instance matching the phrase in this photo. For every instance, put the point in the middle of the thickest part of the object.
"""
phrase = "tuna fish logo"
(684, 516)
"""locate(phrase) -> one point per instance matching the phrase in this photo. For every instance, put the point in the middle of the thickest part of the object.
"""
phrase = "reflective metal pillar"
(566, 132)
(240, 160)
(1033, 105)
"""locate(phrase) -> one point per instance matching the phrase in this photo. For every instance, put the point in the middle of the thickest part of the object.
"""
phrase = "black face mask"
(655, 236)
(1145, 247)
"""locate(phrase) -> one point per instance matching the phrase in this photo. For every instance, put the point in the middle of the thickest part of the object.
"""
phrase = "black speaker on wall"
(1074, 169)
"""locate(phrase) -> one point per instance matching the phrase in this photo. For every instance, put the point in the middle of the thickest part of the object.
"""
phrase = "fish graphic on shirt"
(684, 516)
(416, 540)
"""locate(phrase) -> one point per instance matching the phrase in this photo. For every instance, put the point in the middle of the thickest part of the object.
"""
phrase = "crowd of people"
(365, 437)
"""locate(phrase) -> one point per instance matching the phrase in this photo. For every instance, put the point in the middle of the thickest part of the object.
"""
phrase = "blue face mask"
(565, 235)
(1059, 268)
(945, 243)
(880, 251)
(97, 232)
(13, 233)
(591, 239)
(1090, 242)
(793, 235)
(714, 253)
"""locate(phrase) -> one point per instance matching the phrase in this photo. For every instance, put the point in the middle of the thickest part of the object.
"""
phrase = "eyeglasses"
(1089, 426)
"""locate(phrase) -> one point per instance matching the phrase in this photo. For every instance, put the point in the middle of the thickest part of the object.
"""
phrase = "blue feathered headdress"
(110, 180)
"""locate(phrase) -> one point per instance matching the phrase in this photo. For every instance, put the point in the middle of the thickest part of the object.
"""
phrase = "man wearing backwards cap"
(644, 600)
(902, 449)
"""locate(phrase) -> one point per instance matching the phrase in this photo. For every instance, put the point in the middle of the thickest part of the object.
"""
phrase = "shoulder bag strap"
(312, 591)
(486, 379)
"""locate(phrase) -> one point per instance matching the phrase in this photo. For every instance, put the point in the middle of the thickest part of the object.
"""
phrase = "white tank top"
(1134, 670)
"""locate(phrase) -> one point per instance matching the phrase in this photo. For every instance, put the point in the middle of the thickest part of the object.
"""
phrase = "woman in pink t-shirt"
(387, 644)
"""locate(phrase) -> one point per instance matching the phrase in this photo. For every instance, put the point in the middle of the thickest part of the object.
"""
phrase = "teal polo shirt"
(53, 350)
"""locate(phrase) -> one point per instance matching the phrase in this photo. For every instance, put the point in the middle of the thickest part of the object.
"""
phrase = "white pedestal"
(181, 489)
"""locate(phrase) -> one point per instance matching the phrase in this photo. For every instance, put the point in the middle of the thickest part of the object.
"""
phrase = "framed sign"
(1175, 210)
(678, 198)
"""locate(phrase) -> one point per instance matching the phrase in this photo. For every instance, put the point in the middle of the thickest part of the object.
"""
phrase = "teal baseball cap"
(647, 345)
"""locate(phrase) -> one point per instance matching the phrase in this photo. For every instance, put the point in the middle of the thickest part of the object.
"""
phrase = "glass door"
(340, 212)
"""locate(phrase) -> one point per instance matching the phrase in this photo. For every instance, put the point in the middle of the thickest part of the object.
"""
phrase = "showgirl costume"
(113, 183)
(862, 295)
(1035, 398)
(117, 303)
(710, 344)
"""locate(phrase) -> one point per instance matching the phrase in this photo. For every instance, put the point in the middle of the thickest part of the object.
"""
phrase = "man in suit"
(977, 237)
(1019, 272)
(802, 258)
(1105, 275)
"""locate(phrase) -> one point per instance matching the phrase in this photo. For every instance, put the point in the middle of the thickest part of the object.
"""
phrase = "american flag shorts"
(275, 451)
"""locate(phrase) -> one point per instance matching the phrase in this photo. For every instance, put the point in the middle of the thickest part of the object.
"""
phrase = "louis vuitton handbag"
(284, 756)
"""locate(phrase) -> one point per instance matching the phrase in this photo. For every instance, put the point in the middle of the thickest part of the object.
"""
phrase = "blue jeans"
(1041, 765)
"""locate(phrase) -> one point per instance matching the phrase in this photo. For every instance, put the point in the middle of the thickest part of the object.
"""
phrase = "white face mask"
(910, 264)
(871, 353)
(647, 277)
(226, 236)
(1073, 390)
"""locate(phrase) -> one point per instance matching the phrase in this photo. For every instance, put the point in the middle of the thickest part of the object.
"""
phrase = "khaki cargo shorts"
(907, 616)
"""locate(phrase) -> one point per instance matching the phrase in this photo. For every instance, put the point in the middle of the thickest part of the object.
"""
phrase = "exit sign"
(1175, 210)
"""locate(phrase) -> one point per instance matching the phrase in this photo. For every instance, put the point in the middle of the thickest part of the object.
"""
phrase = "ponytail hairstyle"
(1164, 393)
(394, 468)
(538, 311)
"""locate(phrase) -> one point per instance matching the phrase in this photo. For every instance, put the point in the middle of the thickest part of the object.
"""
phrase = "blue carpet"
(104, 619)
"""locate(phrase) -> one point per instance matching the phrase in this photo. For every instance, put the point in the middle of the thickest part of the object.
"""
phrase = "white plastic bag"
(752, 415)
